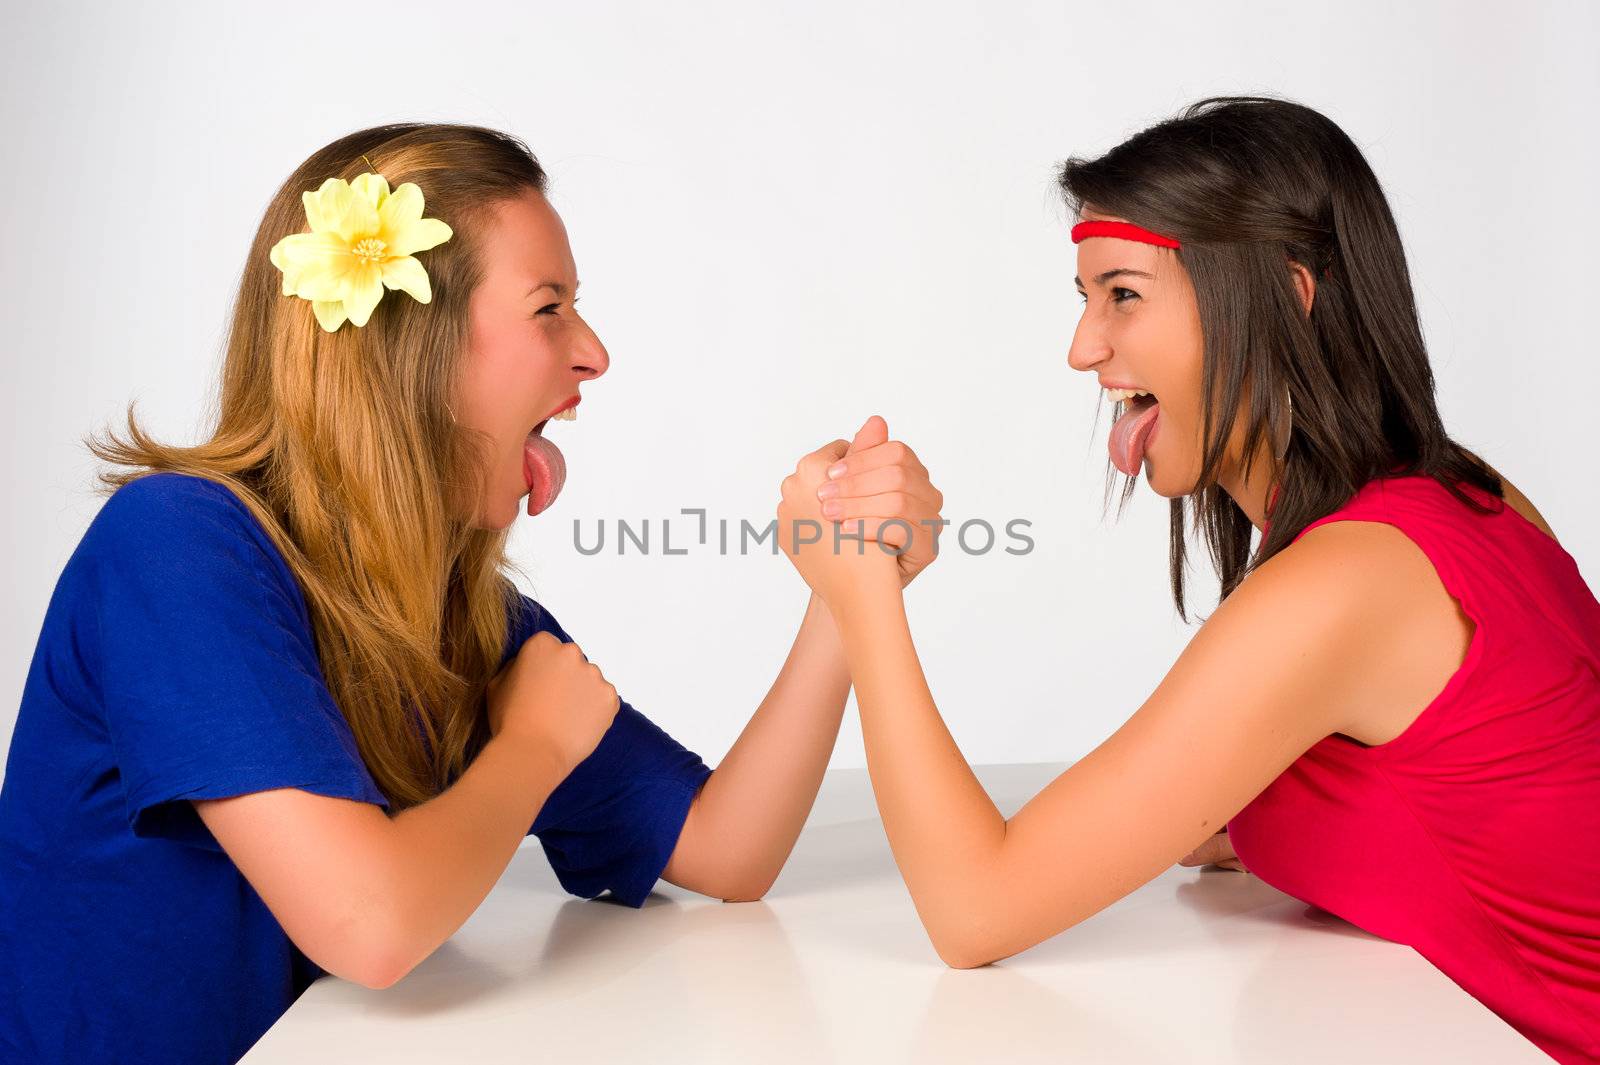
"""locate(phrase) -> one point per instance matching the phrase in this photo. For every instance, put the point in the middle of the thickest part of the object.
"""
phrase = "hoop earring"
(1281, 436)
(450, 412)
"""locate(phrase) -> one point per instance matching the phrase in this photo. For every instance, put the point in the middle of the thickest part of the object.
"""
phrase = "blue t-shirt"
(176, 662)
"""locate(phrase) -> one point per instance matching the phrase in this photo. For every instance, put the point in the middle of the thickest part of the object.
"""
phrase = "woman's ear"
(1304, 284)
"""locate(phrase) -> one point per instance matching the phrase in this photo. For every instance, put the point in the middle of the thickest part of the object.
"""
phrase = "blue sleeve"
(208, 670)
(613, 822)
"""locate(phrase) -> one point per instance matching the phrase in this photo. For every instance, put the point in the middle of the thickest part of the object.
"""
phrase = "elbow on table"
(720, 877)
(381, 970)
(746, 888)
(963, 946)
(964, 952)
(376, 954)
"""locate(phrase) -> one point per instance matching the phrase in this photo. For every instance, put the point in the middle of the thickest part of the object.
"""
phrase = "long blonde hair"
(344, 448)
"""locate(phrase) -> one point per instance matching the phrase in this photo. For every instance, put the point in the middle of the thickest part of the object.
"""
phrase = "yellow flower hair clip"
(362, 239)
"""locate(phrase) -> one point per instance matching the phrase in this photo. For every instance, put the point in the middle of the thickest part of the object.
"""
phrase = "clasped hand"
(875, 520)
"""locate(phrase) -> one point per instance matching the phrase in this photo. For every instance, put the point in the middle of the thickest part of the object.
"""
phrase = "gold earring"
(450, 412)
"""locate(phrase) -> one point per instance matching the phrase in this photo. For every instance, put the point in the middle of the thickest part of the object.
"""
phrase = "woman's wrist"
(539, 765)
(873, 594)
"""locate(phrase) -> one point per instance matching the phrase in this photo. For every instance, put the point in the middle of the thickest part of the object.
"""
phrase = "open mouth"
(1141, 402)
(570, 414)
(1134, 428)
(1131, 396)
(544, 468)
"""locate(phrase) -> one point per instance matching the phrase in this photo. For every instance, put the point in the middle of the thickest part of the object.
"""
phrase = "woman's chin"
(500, 518)
(1158, 484)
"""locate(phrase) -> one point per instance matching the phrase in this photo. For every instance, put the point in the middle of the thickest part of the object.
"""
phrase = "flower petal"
(304, 255)
(373, 188)
(366, 289)
(323, 285)
(402, 207)
(319, 203)
(407, 275)
(330, 313)
(311, 262)
(298, 250)
(349, 215)
(417, 236)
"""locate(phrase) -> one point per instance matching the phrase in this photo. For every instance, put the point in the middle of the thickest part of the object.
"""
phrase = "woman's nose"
(589, 356)
(1089, 347)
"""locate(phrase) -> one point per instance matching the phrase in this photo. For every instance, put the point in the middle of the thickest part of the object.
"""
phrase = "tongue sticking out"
(1132, 434)
(545, 469)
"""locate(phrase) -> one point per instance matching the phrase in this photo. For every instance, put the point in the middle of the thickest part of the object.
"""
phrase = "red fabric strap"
(1125, 230)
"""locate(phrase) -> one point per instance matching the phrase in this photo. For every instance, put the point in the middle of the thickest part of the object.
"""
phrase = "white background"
(787, 219)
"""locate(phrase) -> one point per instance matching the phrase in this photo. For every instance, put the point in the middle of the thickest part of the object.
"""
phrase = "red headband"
(1125, 230)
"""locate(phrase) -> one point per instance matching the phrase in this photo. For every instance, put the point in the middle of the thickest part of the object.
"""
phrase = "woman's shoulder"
(1364, 547)
(1408, 632)
(1416, 501)
(170, 496)
(528, 616)
(176, 522)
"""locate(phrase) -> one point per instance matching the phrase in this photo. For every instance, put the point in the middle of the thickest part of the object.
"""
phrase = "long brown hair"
(343, 447)
(1247, 183)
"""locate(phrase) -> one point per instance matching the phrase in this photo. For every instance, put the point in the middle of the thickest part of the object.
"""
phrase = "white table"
(1203, 965)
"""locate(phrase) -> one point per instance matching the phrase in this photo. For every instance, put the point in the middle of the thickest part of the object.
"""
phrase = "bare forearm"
(447, 853)
(945, 831)
(751, 809)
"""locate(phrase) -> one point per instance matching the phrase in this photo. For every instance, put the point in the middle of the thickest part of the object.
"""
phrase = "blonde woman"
(287, 713)
(1395, 711)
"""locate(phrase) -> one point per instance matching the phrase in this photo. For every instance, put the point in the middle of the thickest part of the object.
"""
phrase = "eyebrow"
(1101, 279)
(557, 287)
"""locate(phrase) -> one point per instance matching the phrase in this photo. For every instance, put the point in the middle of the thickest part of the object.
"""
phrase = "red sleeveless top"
(1474, 836)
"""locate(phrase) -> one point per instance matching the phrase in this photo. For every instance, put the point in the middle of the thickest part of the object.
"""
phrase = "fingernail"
(832, 508)
(836, 470)
(828, 490)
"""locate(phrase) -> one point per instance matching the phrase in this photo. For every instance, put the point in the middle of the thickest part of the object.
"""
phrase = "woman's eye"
(1117, 295)
(552, 308)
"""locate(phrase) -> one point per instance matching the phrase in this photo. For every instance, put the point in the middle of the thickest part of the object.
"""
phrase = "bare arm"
(1259, 684)
(367, 896)
(745, 820)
